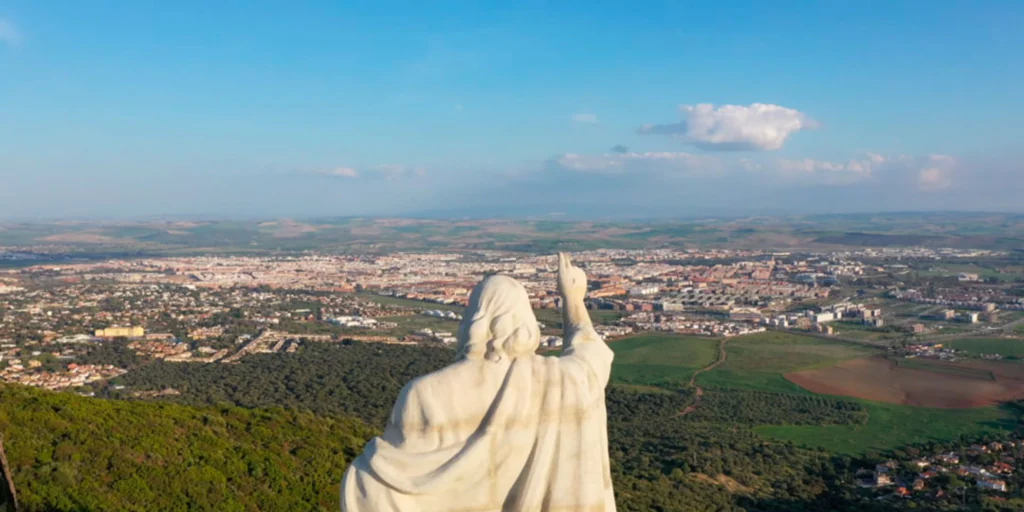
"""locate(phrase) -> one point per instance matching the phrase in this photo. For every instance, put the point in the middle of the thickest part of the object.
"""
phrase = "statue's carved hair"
(499, 321)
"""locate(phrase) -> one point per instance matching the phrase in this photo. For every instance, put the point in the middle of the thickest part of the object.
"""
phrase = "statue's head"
(499, 322)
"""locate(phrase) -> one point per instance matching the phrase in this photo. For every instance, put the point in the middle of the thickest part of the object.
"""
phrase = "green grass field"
(952, 270)
(1008, 347)
(758, 361)
(661, 359)
(891, 426)
(398, 301)
(411, 323)
(553, 317)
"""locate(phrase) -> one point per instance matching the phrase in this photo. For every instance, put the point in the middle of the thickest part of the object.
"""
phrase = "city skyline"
(197, 110)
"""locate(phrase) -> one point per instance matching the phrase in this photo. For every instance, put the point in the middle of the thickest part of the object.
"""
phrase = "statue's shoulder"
(439, 378)
(420, 392)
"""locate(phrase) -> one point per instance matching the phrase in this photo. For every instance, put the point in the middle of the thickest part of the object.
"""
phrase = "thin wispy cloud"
(921, 173)
(634, 163)
(757, 127)
(850, 171)
(394, 171)
(584, 118)
(9, 33)
(375, 172)
(927, 174)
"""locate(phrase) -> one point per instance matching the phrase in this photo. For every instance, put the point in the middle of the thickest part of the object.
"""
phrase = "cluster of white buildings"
(6, 288)
(973, 303)
(843, 311)
(644, 290)
(355, 322)
(73, 339)
(444, 314)
(648, 322)
(551, 342)
(75, 375)
(445, 337)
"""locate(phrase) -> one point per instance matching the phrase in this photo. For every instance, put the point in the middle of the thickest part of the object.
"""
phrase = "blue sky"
(122, 109)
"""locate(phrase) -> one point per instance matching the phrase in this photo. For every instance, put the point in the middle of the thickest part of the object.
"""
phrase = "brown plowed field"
(929, 384)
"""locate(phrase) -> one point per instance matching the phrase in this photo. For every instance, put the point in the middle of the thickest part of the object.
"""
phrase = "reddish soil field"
(883, 380)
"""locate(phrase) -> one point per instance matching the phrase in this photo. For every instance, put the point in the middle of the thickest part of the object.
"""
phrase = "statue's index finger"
(563, 261)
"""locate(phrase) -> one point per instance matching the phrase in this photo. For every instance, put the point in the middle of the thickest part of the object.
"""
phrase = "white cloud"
(395, 171)
(630, 162)
(377, 172)
(9, 34)
(584, 118)
(933, 178)
(756, 127)
(344, 172)
(944, 160)
(856, 167)
(899, 172)
(933, 172)
(939, 175)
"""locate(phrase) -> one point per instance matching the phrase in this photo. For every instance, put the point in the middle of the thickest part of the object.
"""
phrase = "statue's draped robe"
(523, 434)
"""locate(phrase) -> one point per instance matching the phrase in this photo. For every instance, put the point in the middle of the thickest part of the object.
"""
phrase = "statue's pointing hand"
(572, 282)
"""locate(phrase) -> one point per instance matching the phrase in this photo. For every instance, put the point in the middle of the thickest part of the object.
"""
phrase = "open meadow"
(983, 272)
(758, 361)
(892, 426)
(409, 324)
(552, 318)
(761, 361)
(666, 360)
(409, 303)
(1006, 347)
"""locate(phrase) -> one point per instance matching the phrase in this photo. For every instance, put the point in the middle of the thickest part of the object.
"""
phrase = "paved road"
(1010, 326)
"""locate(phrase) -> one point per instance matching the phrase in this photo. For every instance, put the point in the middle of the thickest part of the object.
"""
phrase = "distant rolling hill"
(958, 230)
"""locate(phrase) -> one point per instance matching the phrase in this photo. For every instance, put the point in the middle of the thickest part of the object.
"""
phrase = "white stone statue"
(502, 428)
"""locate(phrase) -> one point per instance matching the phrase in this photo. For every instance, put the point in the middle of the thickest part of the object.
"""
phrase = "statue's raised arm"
(572, 286)
(580, 338)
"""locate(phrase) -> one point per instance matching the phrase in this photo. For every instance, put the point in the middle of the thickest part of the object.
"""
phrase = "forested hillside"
(708, 460)
(359, 379)
(71, 453)
(75, 453)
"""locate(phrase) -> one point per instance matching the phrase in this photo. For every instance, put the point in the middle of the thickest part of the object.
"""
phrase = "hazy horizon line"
(440, 216)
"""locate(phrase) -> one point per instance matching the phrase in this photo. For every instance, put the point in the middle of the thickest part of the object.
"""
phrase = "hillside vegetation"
(357, 379)
(70, 453)
(739, 450)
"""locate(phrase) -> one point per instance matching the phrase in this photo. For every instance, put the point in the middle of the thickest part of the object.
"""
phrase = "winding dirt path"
(699, 391)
